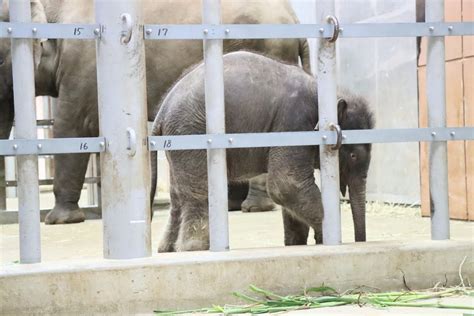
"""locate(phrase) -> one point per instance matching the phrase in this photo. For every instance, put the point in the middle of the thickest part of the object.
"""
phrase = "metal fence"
(124, 143)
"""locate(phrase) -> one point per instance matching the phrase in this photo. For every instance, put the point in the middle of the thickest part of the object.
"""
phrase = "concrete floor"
(247, 230)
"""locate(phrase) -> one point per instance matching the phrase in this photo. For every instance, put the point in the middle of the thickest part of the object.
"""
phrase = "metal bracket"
(128, 28)
(333, 20)
(132, 142)
(337, 129)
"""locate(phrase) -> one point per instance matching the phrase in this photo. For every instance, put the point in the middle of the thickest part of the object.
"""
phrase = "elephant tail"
(156, 131)
(304, 55)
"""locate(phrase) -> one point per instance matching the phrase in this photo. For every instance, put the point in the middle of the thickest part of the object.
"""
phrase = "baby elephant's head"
(354, 159)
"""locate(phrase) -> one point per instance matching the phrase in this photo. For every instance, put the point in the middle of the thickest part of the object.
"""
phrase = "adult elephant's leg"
(69, 173)
(296, 231)
(238, 191)
(6, 122)
(257, 198)
(69, 169)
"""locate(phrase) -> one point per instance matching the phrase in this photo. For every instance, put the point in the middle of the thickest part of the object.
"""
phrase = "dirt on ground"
(247, 230)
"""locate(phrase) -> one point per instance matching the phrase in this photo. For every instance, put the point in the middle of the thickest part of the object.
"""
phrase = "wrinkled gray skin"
(420, 18)
(66, 69)
(261, 95)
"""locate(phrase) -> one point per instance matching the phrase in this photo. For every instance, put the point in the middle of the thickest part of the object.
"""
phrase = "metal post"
(215, 118)
(436, 93)
(125, 164)
(3, 188)
(25, 127)
(327, 100)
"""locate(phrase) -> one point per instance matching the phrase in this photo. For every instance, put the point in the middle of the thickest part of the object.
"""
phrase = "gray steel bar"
(259, 31)
(17, 147)
(247, 140)
(215, 124)
(25, 112)
(3, 189)
(125, 164)
(13, 183)
(240, 31)
(436, 93)
(49, 30)
(329, 159)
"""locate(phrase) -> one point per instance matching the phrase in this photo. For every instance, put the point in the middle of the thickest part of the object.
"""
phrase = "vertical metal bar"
(327, 101)
(90, 186)
(25, 127)
(3, 188)
(215, 124)
(125, 164)
(436, 93)
(48, 102)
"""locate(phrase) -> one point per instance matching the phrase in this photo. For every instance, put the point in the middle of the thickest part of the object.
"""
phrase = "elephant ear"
(38, 15)
(341, 110)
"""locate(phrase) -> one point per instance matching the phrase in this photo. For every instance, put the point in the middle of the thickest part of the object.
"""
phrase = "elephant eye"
(353, 156)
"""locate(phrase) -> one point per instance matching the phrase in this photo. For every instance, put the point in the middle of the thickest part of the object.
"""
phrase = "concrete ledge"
(195, 279)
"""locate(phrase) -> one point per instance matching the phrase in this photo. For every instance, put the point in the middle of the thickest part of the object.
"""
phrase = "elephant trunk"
(357, 195)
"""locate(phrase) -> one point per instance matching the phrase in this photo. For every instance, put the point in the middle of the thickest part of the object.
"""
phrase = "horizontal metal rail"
(259, 31)
(241, 31)
(14, 183)
(49, 30)
(53, 146)
(249, 140)
(18, 147)
(42, 123)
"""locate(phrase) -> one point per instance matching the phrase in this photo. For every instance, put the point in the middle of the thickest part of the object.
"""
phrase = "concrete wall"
(383, 70)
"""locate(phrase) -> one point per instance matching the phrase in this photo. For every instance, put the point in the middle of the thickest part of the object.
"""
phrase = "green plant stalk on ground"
(328, 297)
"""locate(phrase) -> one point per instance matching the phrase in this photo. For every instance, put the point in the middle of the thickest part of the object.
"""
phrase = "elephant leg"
(170, 234)
(238, 191)
(257, 198)
(70, 169)
(6, 123)
(189, 184)
(291, 184)
(194, 230)
(318, 234)
(296, 231)
(69, 173)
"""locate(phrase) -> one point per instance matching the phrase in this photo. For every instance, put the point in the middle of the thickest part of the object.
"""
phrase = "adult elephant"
(66, 69)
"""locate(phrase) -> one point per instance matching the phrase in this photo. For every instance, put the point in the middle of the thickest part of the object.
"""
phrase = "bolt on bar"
(436, 94)
(215, 124)
(25, 113)
(125, 164)
(329, 159)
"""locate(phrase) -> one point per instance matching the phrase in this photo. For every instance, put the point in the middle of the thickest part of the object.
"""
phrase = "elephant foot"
(258, 201)
(258, 204)
(59, 215)
(192, 245)
(166, 247)
(235, 205)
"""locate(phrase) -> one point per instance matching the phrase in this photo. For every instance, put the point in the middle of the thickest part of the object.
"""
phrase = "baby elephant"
(261, 95)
